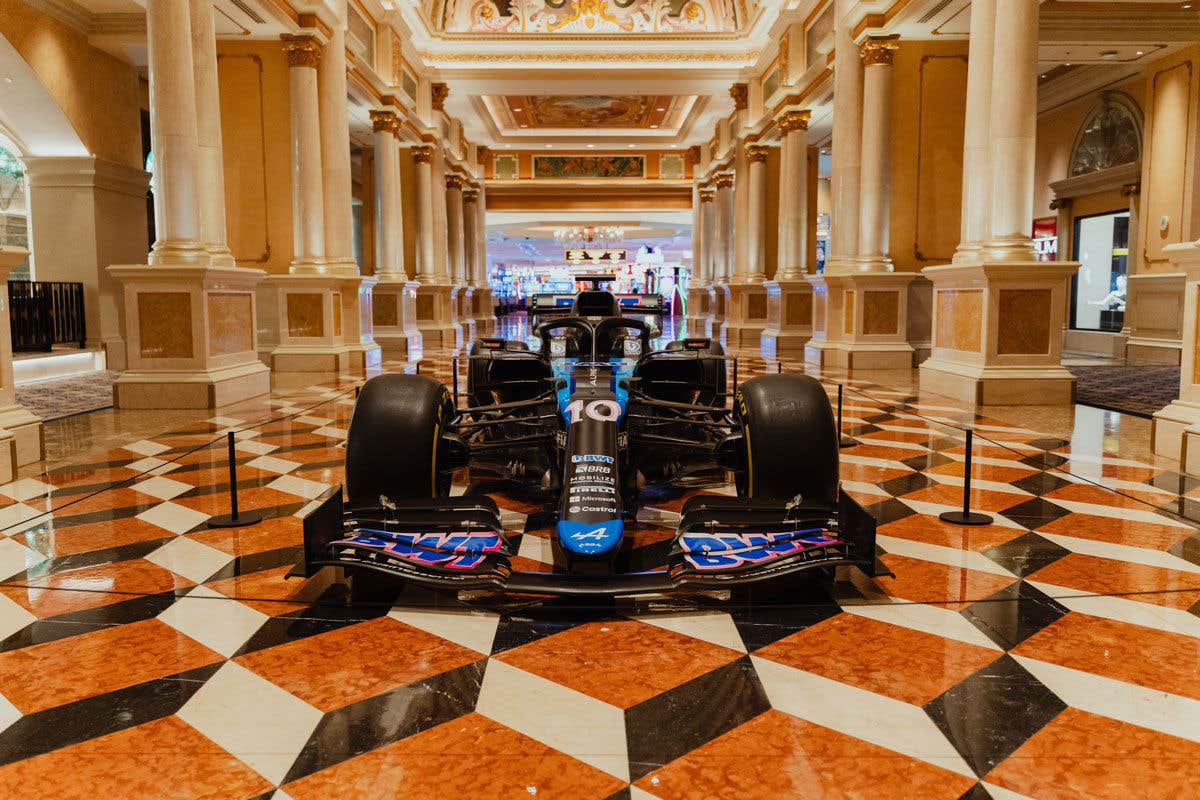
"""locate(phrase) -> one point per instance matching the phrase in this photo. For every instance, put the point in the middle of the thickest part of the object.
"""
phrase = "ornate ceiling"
(588, 111)
(588, 17)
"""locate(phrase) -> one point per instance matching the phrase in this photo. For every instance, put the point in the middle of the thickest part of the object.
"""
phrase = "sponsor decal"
(726, 550)
(590, 537)
(447, 550)
(586, 458)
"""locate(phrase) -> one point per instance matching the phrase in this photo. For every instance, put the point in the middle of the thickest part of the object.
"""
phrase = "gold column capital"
(422, 154)
(438, 93)
(795, 120)
(879, 50)
(724, 181)
(470, 195)
(453, 182)
(385, 121)
(758, 153)
(707, 195)
(302, 51)
(740, 92)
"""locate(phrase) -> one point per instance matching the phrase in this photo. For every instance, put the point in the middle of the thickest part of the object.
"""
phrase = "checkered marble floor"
(1052, 654)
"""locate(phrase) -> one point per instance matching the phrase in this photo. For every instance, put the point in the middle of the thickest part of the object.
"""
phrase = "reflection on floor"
(1052, 654)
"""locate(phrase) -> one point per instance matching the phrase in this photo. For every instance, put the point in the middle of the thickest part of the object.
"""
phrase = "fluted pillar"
(308, 203)
(208, 131)
(724, 224)
(793, 196)
(422, 157)
(789, 295)
(697, 294)
(483, 308)
(466, 291)
(754, 268)
(1013, 130)
(335, 157)
(846, 168)
(746, 299)
(190, 331)
(977, 165)
(389, 222)
(174, 136)
(455, 245)
(876, 168)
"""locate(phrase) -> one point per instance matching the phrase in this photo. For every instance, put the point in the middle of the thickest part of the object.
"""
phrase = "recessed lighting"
(518, 109)
(523, 125)
(549, 146)
(661, 108)
(653, 126)
(674, 145)
(591, 146)
(1042, 76)
(632, 146)
(8, 79)
(1141, 52)
(1067, 64)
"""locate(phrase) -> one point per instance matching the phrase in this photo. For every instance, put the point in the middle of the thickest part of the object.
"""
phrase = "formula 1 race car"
(587, 422)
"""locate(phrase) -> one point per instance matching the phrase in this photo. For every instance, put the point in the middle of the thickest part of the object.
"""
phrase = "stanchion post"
(454, 378)
(233, 519)
(966, 516)
(843, 441)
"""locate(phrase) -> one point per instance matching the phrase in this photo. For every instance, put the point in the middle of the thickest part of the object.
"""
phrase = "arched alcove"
(1110, 136)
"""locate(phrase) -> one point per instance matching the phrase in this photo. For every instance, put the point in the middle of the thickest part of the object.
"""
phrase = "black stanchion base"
(969, 518)
(242, 520)
(844, 443)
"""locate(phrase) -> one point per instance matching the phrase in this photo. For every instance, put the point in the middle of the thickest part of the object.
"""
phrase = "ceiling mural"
(589, 111)
(590, 16)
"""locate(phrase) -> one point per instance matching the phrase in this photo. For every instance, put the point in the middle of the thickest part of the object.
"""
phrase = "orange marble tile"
(776, 756)
(88, 477)
(218, 474)
(1169, 662)
(621, 662)
(868, 473)
(469, 758)
(1087, 493)
(985, 472)
(334, 669)
(270, 534)
(311, 455)
(930, 529)
(1118, 531)
(106, 500)
(906, 664)
(1145, 584)
(248, 499)
(913, 437)
(523, 564)
(56, 541)
(330, 475)
(166, 759)
(868, 449)
(1083, 756)
(937, 584)
(92, 587)
(981, 499)
(65, 670)
(270, 591)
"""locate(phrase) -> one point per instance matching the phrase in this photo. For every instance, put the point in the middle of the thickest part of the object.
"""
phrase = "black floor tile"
(1013, 614)
(905, 484)
(1034, 513)
(1026, 554)
(888, 510)
(1043, 460)
(1041, 483)
(992, 713)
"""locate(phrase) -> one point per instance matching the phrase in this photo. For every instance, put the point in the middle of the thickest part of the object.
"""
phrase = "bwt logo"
(581, 459)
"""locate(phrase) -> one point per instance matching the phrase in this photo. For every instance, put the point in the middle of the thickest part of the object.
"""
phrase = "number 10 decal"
(599, 410)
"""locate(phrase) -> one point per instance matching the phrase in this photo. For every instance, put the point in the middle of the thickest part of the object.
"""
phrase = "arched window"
(14, 206)
(1110, 137)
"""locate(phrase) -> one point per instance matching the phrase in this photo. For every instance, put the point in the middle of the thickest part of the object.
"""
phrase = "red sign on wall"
(1045, 238)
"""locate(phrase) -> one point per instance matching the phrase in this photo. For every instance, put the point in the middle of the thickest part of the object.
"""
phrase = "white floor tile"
(145, 447)
(537, 548)
(880, 720)
(951, 556)
(297, 486)
(8, 713)
(1000, 793)
(331, 432)
(173, 517)
(1137, 705)
(308, 419)
(1134, 514)
(1122, 552)
(217, 622)
(16, 557)
(280, 466)
(13, 617)
(714, 628)
(255, 448)
(26, 489)
(189, 558)
(473, 629)
(13, 517)
(162, 488)
(920, 617)
(252, 718)
(569, 721)
(1123, 609)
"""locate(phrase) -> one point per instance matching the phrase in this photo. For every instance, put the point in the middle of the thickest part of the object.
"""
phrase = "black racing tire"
(393, 447)
(790, 439)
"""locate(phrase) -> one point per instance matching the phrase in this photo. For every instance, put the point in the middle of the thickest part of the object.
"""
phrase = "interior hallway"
(141, 650)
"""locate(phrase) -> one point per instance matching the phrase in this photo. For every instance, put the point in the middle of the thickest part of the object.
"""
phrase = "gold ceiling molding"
(301, 51)
(314, 22)
(879, 50)
(740, 92)
(438, 93)
(438, 59)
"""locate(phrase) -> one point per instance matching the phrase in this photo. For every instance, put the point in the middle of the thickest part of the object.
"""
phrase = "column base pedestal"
(191, 337)
(27, 434)
(696, 322)
(789, 319)
(852, 356)
(483, 311)
(998, 385)
(745, 317)
(206, 389)
(860, 321)
(435, 317)
(312, 311)
(394, 313)
(1175, 430)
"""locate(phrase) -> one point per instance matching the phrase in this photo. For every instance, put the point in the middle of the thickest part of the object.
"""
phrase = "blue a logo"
(590, 537)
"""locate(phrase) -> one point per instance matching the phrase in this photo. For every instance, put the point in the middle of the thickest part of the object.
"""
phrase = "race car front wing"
(460, 543)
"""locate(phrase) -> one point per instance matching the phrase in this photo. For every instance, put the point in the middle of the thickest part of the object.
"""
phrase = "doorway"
(1098, 287)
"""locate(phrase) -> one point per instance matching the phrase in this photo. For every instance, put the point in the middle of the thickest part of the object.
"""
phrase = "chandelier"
(589, 236)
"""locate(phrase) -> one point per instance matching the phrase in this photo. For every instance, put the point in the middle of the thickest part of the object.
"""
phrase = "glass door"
(1098, 288)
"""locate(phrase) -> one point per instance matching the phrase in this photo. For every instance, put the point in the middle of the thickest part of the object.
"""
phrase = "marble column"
(723, 246)
(789, 295)
(484, 313)
(208, 135)
(190, 331)
(846, 166)
(21, 440)
(977, 165)
(876, 167)
(746, 297)
(308, 202)
(335, 157)
(998, 314)
(393, 301)
(174, 134)
(422, 157)
(466, 318)
(455, 244)
(754, 269)
(697, 296)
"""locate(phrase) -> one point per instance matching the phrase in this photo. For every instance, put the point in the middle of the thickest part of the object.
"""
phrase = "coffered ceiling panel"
(588, 17)
(587, 111)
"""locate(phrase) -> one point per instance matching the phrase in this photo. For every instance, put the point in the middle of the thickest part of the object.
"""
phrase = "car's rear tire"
(790, 440)
(393, 447)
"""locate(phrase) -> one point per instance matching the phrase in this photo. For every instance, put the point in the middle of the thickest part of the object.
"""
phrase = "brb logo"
(727, 550)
